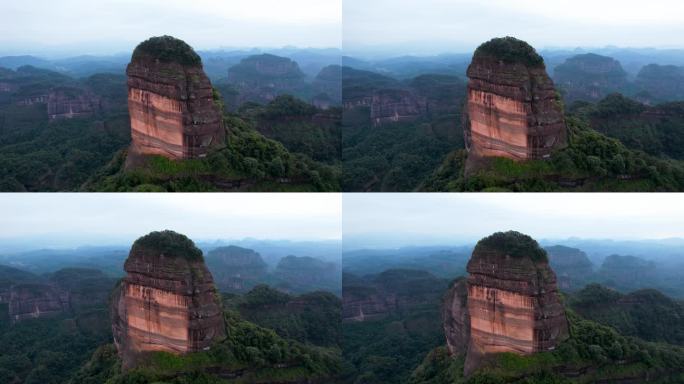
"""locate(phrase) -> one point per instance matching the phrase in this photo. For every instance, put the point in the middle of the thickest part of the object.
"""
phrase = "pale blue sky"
(431, 26)
(394, 220)
(78, 219)
(109, 26)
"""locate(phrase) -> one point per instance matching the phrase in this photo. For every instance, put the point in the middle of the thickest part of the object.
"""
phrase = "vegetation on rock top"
(514, 244)
(510, 50)
(169, 243)
(167, 49)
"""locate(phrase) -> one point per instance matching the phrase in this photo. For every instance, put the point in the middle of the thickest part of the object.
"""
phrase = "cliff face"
(512, 302)
(166, 301)
(396, 105)
(30, 301)
(170, 101)
(67, 103)
(589, 77)
(512, 109)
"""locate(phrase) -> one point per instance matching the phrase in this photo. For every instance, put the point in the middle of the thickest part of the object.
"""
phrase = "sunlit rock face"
(31, 301)
(167, 300)
(511, 302)
(513, 109)
(396, 105)
(170, 101)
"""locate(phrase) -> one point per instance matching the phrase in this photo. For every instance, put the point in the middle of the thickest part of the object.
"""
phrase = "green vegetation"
(169, 243)
(591, 162)
(510, 50)
(49, 350)
(646, 314)
(311, 318)
(248, 162)
(514, 244)
(167, 49)
(250, 354)
(593, 353)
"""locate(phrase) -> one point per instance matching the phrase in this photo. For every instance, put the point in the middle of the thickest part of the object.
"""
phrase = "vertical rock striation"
(396, 105)
(167, 301)
(513, 109)
(170, 101)
(509, 302)
(34, 300)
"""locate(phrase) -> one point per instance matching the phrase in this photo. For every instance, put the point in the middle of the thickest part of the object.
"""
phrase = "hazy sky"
(393, 220)
(429, 26)
(106, 26)
(78, 219)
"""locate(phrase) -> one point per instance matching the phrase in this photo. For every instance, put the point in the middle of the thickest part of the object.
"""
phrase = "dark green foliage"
(287, 106)
(167, 49)
(593, 353)
(510, 50)
(250, 354)
(49, 350)
(249, 161)
(647, 313)
(311, 318)
(592, 162)
(168, 243)
(514, 244)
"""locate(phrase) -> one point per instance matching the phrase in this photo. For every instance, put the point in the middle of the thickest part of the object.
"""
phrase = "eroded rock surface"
(396, 105)
(167, 300)
(67, 103)
(35, 300)
(512, 302)
(170, 101)
(513, 109)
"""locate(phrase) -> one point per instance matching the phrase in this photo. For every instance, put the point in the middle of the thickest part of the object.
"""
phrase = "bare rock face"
(513, 109)
(34, 300)
(511, 304)
(68, 102)
(456, 317)
(170, 101)
(167, 301)
(396, 105)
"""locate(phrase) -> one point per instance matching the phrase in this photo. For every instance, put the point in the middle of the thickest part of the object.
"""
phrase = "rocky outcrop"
(396, 105)
(389, 292)
(513, 109)
(589, 77)
(170, 101)
(261, 78)
(572, 266)
(512, 302)
(67, 103)
(35, 300)
(236, 268)
(167, 300)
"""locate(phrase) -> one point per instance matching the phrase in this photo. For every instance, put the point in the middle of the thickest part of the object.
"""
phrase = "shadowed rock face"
(512, 302)
(170, 101)
(167, 301)
(67, 103)
(395, 105)
(31, 301)
(513, 109)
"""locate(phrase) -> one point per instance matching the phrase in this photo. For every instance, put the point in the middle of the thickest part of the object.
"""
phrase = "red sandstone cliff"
(67, 103)
(509, 302)
(170, 101)
(30, 301)
(167, 301)
(513, 109)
